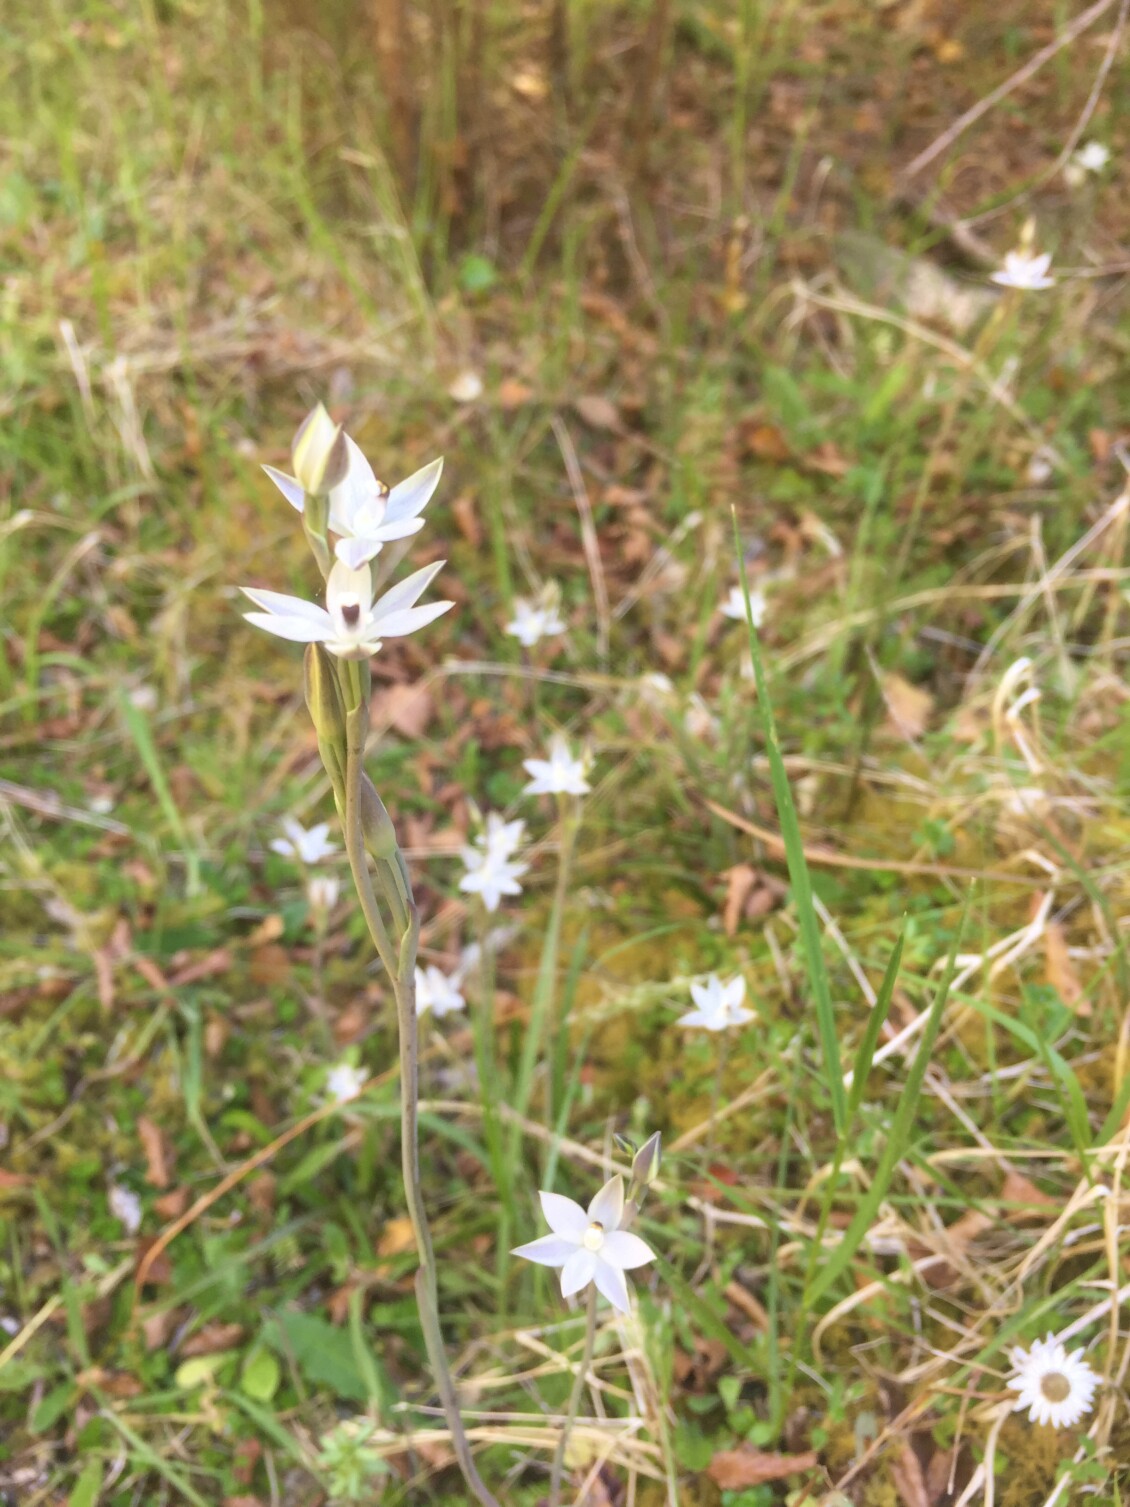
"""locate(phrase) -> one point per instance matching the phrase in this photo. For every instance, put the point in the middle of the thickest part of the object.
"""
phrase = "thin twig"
(1003, 90)
(588, 538)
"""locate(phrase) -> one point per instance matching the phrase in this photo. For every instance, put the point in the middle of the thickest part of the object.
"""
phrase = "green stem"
(400, 963)
(574, 1398)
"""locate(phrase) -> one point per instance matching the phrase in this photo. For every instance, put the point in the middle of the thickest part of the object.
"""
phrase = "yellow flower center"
(1056, 1388)
(594, 1236)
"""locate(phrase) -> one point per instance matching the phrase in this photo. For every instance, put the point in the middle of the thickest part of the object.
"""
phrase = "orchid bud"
(645, 1163)
(376, 824)
(323, 694)
(318, 453)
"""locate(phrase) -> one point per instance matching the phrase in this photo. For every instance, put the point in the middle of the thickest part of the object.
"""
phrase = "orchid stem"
(574, 1398)
(399, 959)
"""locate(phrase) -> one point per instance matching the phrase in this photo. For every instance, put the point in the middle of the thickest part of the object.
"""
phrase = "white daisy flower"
(560, 774)
(305, 846)
(345, 1082)
(734, 606)
(589, 1246)
(1025, 270)
(1055, 1386)
(719, 1004)
(437, 991)
(350, 625)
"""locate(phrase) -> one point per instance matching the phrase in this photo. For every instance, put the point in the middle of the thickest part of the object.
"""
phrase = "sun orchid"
(350, 625)
(1025, 270)
(306, 846)
(560, 774)
(366, 515)
(1055, 1386)
(589, 1246)
(719, 1005)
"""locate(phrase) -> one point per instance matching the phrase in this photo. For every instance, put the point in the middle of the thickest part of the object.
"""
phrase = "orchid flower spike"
(350, 625)
(719, 1004)
(367, 515)
(589, 1246)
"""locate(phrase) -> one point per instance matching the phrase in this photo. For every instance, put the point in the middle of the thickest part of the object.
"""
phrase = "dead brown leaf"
(156, 1153)
(213, 1338)
(598, 412)
(406, 708)
(734, 1469)
(908, 706)
(513, 394)
(1060, 971)
(467, 519)
(740, 881)
(396, 1237)
(909, 1481)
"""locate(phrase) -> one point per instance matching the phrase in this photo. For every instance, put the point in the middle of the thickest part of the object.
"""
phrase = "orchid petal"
(408, 591)
(297, 629)
(397, 624)
(578, 1270)
(563, 1216)
(358, 552)
(412, 495)
(282, 605)
(287, 485)
(550, 1250)
(607, 1206)
(610, 1280)
(627, 1251)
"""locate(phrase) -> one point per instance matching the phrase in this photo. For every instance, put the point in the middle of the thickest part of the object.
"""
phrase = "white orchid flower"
(350, 625)
(367, 515)
(500, 837)
(589, 1246)
(305, 846)
(719, 1004)
(560, 774)
(364, 513)
(1024, 270)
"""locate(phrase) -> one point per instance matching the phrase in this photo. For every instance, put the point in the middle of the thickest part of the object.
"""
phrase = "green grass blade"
(799, 877)
(879, 1012)
(896, 1140)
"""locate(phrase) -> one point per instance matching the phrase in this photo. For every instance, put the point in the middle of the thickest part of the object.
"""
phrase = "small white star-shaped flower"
(345, 1082)
(1025, 270)
(305, 846)
(126, 1206)
(589, 1246)
(534, 621)
(719, 1004)
(437, 991)
(1056, 1387)
(734, 606)
(560, 774)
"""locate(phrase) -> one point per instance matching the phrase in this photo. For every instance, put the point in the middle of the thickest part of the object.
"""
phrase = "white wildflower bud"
(318, 453)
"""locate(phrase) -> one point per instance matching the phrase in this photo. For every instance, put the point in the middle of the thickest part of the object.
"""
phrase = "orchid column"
(335, 491)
